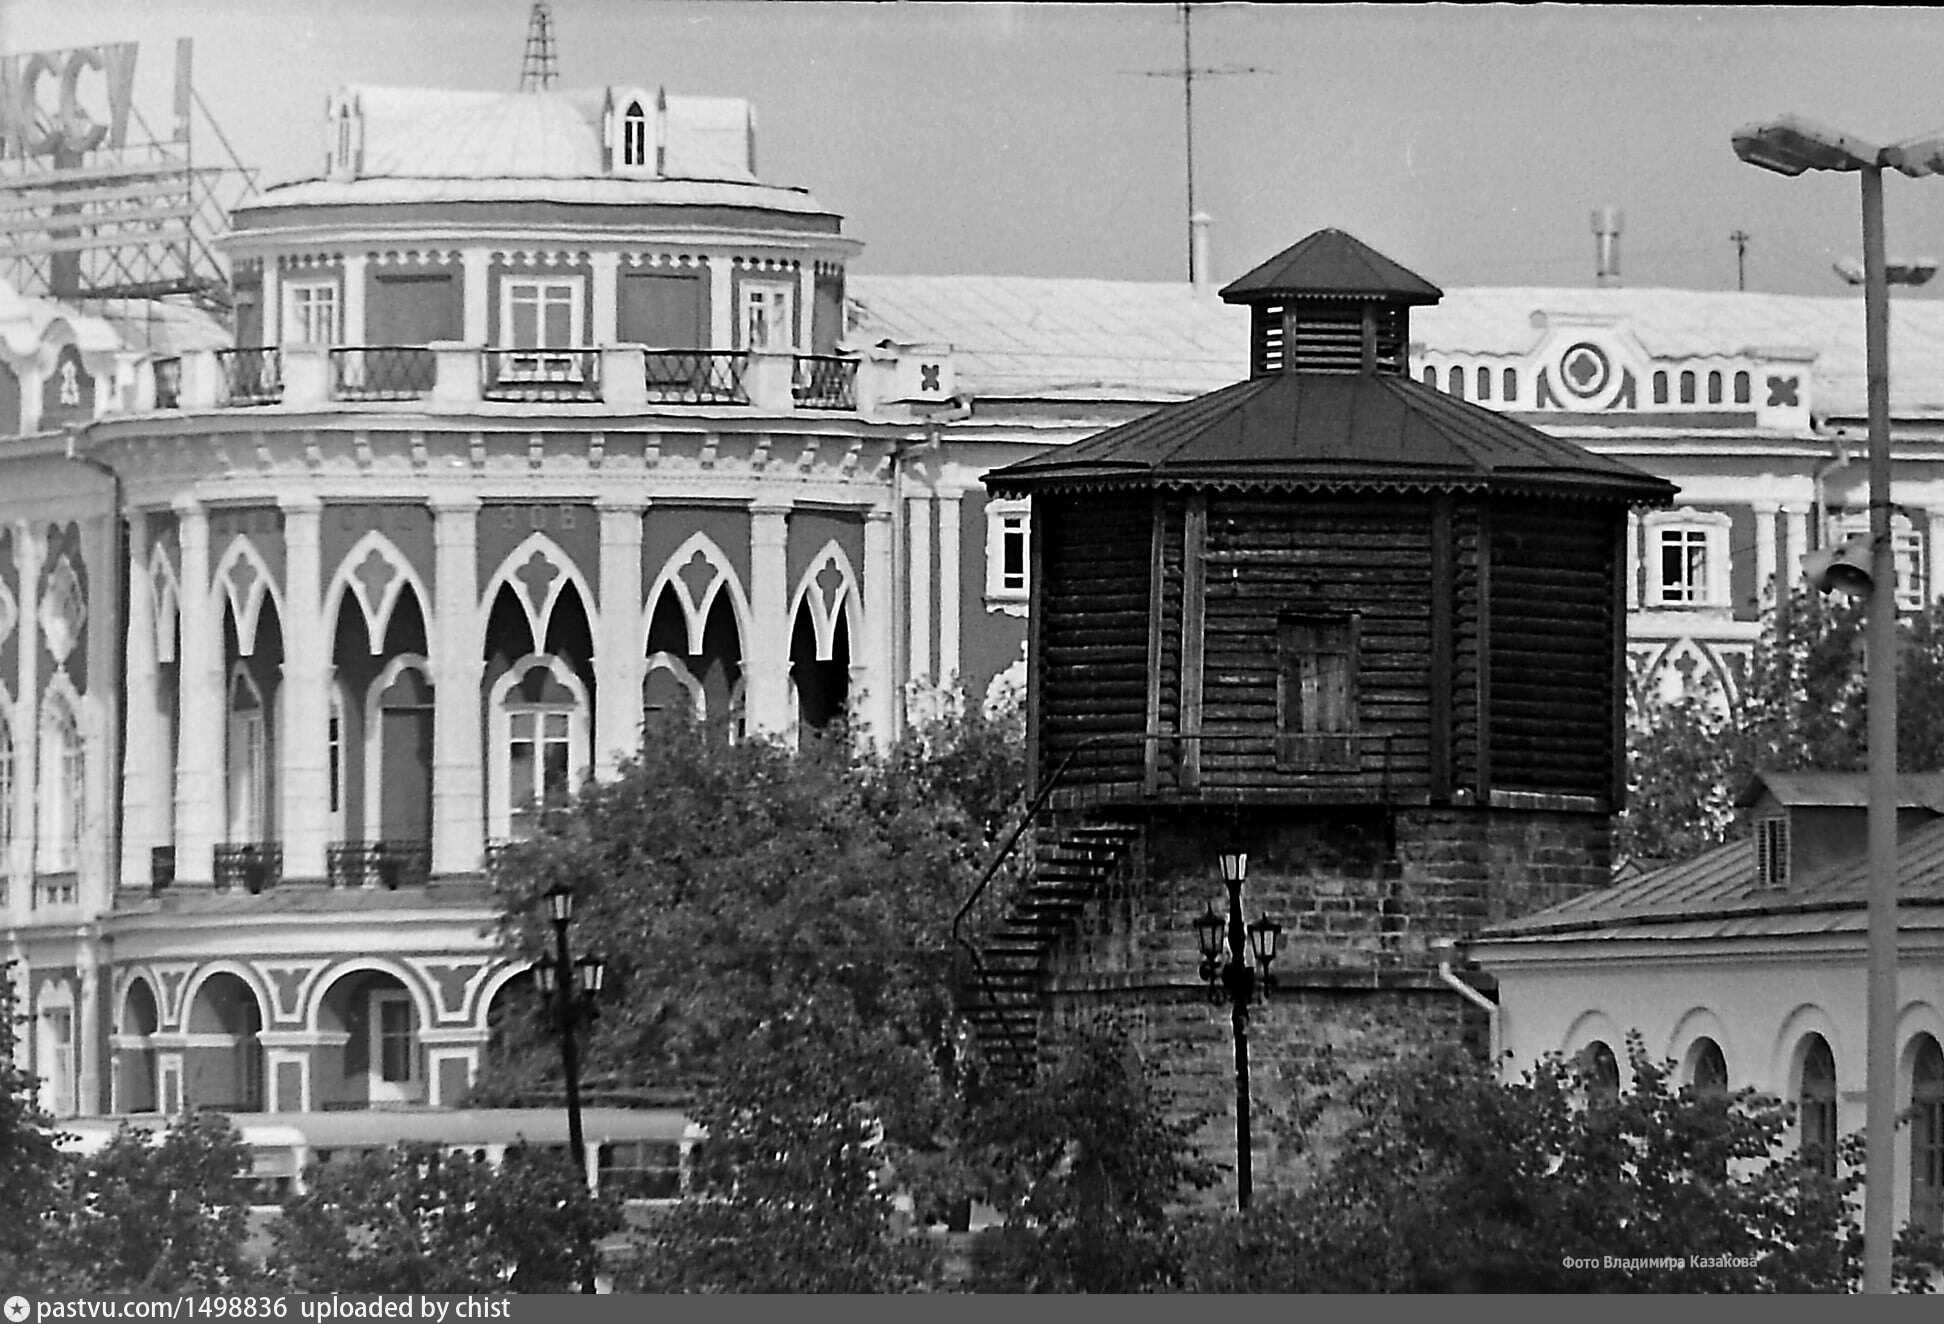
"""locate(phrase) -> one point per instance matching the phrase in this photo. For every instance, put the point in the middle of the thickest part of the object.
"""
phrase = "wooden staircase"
(1003, 997)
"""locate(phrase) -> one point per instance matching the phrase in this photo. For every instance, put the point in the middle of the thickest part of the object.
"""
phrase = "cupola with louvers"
(1330, 304)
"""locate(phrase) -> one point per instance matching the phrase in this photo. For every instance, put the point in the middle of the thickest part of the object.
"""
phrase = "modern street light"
(1789, 146)
(572, 987)
(1232, 979)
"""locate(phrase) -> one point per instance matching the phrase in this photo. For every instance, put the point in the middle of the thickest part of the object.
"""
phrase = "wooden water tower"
(1371, 633)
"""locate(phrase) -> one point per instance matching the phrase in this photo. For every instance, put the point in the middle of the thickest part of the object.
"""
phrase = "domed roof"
(526, 135)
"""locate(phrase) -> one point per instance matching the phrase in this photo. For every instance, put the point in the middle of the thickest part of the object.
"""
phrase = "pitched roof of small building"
(1318, 430)
(1331, 263)
(1850, 790)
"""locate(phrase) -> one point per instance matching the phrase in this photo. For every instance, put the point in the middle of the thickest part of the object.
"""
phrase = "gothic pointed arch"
(827, 595)
(167, 591)
(244, 579)
(536, 571)
(694, 578)
(375, 574)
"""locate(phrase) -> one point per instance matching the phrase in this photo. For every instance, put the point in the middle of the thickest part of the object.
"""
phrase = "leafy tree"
(1447, 1180)
(1684, 760)
(1089, 1166)
(413, 1218)
(33, 1170)
(158, 1216)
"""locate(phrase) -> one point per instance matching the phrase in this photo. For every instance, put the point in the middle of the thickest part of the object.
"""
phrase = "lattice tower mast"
(540, 67)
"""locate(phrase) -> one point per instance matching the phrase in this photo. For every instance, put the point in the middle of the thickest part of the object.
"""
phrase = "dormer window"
(634, 136)
(1772, 852)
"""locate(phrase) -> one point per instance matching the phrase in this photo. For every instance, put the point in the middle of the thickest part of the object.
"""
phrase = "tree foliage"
(1449, 1181)
(158, 1215)
(414, 1218)
(1803, 704)
(33, 1170)
(1089, 1166)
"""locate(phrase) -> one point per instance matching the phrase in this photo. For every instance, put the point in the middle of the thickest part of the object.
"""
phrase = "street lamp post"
(1233, 980)
(572, 987)
(1790, 146)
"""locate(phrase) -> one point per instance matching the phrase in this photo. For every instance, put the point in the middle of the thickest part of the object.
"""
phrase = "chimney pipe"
(1606, 238)
(1198, 274)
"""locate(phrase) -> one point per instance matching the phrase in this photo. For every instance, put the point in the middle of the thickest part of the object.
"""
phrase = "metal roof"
(1327, 430)
(1850, 790)
(1715, 894)
(1331, 263)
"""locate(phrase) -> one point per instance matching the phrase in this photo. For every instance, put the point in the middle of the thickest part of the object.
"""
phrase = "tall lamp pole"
(1233, 980)
(1789, 146)
(572, 986)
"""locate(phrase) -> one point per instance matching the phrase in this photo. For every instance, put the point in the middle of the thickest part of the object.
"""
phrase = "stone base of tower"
(1363, 895)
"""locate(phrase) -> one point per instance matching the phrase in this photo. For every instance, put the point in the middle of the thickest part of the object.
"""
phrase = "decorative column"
(145, 781)
(918, 574)
(1765, 565)
(26, 725)
(948, 587)
(458, 770)
(1795, 536)
(89, 1095)
(476, 264)
(200, 753)
(618, 657)
(880, 705)
(272, 302)
(1934, 546)
(305, 780)
(98, 868)
(1633, 560)
(355, 265)
(602, 326)
(766, 677)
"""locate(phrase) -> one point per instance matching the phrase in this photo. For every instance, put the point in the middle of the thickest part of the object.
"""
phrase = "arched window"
(1600, 1072)
(1455, 381)
(249, 758)
(1714, 388)
(63, 787)
(634, 136)
(1430, 376)
(1741, 388)
(1927, 1136)
(540, 743)
(1509, 385)
(1816, 1106)
(1707, 1069)
(1660, 388)
(1687, 388)
(1484, 383)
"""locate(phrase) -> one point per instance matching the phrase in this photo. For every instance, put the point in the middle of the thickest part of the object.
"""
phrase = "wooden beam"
(1157, 581)
(1194, 626)
(1444, 591)
(1484, 576)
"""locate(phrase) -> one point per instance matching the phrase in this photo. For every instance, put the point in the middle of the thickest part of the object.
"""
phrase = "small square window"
(1683, 566)
(1008, 550)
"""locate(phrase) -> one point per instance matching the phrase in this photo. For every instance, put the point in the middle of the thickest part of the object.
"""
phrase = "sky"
(1472, 143)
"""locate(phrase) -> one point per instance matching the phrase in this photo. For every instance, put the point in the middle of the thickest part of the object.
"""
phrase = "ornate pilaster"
(146, 779)
(948, 587)
(458, 771)
(880, 699)
(1765, 552)
(766, 680)
(28, 554)
(305, 782)
(918, 578)
(200, 752)
(618, 654)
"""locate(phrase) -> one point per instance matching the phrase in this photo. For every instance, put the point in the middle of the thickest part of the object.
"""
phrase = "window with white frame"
(1008, 547)
(63, 787)
(1687, 559)
(540, 313)
(634, 136)
(540, 744)
(311, 313)
(766, 320)
(334, 745)
(249, 761)
(1913, 575)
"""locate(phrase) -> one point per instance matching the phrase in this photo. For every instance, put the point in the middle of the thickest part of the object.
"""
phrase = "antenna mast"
(1740, 240)
(540, 67)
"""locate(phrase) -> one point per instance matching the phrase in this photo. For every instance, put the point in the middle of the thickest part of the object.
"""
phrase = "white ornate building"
(543, 410)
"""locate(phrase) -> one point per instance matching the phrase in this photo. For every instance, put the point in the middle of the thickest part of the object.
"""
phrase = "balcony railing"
(543, 374)
(168, 383)
(387, 864)
(695, 377)
(383, 372)
(251, 376)
(824, 381)
(253, 866)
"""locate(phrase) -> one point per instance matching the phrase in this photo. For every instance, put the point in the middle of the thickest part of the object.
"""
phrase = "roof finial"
(540, 68)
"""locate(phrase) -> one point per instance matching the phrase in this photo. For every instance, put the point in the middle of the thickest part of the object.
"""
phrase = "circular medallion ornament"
(1585, 371)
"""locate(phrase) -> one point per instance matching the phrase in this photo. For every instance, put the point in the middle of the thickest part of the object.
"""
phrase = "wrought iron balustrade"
(168, 383)
(387, 864)
(825, 381)
(252, 866)
(543, 374)
(383, 372)
(695, 377)
(252, 376)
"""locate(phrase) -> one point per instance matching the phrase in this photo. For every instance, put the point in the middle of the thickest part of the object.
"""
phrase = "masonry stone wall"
(1363, 893)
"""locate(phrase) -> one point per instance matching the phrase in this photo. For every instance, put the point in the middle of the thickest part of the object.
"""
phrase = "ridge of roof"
(1331, 262)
